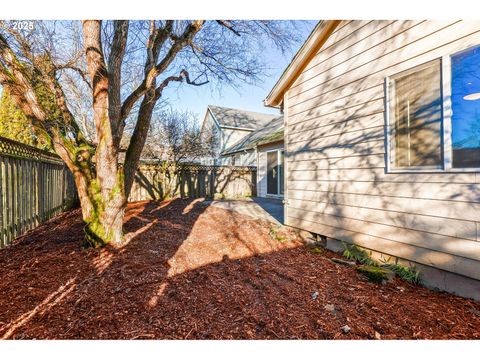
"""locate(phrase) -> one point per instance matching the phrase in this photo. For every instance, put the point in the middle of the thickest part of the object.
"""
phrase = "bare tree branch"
(229, 26)
(77, 70)
(183, 76)
(115, 60)
(152, 70)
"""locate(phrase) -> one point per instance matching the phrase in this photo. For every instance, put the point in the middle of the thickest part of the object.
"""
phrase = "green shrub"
(374, 273)
(353, 252)
(408, 273)
(219, 196)
(316, 250)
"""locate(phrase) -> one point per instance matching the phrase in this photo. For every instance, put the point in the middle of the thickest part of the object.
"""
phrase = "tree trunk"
(105, 225)
(102, 209)
(105, 191)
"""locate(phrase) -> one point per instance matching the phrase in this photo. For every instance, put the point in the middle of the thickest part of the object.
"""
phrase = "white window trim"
(446, 125)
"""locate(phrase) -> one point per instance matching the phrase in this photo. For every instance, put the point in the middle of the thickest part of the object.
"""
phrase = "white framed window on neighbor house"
(433, 115)
(236, 160)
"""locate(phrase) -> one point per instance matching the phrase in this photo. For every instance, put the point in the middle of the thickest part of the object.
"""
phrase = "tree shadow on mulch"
(192, 272)
(51, 288)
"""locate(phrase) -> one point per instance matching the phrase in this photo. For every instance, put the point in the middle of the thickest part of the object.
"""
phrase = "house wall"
(209, 126)
(231, 136)
(225, 138)
(337, 183)
(243, 158)
(262, 167)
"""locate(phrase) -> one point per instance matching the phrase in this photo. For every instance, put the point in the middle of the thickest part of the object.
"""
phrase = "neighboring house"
(228, 126)
(262, 148)
(382, 142)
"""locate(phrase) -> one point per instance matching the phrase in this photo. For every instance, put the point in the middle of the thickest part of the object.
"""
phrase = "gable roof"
(309, 49)
(234, 118)
(270, 133)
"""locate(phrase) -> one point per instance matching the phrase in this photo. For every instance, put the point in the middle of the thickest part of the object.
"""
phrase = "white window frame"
(446, 124)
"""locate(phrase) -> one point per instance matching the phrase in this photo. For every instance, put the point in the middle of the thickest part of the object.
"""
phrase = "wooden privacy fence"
(34, 186)
(151, 182)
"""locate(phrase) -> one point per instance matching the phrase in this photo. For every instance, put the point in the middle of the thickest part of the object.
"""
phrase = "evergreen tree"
(15, 125)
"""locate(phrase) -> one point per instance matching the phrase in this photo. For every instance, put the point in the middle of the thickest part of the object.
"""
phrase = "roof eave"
(308, 50)
(235, 151)
(279, 137)
(236, 128)
(213, 116)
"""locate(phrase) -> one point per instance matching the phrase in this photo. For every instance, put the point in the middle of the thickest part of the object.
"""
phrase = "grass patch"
(274, 233)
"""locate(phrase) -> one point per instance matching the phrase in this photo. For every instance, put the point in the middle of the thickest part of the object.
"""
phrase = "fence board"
(194, 181)
(34, 186)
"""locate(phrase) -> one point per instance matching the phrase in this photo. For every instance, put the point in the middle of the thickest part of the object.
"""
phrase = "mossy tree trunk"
(103, 213)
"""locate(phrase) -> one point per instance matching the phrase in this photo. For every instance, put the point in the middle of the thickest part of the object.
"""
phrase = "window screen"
(416, 115)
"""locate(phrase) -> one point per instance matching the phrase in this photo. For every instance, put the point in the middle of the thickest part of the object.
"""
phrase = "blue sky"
(248, 97)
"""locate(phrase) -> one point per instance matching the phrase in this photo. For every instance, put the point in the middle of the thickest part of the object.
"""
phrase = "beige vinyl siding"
(392, 211)
(336, 181)
(378, 175)
(407, 45)
(365, 76)
(449, 191)
(441, 260)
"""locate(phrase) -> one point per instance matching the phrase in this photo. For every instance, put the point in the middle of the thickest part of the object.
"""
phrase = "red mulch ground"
(198, 272)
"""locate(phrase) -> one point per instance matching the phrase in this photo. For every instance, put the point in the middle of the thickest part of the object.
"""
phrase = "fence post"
(213, 181)
(188, 176)
(8, 193)
(2, 224)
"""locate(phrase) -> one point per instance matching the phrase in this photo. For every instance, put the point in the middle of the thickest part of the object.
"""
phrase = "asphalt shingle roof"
(240, 118)
(272, 132)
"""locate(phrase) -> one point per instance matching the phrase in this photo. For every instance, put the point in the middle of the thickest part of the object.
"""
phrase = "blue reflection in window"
(466, 108)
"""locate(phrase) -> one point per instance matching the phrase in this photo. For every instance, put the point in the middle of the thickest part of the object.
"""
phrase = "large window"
(416, 111)
(466, 109)
(422, 136)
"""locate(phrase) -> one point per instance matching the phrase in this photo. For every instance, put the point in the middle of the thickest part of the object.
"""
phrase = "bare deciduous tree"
(125, 67)
(175, 139)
